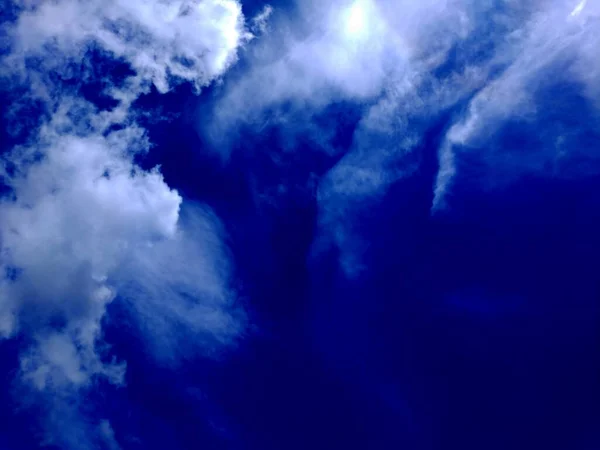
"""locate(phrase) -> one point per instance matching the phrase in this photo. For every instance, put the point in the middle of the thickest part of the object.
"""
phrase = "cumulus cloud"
(83, 224)
(193, 40)
(72, 217)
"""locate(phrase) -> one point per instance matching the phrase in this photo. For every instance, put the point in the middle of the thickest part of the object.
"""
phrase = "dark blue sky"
(396, 248)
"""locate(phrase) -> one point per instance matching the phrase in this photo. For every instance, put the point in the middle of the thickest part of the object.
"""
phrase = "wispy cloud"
(408, 63)
(333, 50)
(551, 47)
(380, 54)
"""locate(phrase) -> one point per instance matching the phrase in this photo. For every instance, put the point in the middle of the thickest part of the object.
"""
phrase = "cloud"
(342, 49)
(411, 99)
(553, 46)
(260, 23)
(178, 290)
(376, 53)
(73, 216)
(412, 65)
(191, 40)
(107, 432)
(82, 224)
(330, 51)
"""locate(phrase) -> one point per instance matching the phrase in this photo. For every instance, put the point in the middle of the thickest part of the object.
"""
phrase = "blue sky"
(360, 224)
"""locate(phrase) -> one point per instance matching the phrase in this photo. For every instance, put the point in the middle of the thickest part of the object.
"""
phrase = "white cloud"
(332, 50)
(343, 49)
(194, 40)
(75, 214)
(375, 52)
(350, 186)
(554, 44)
(260, 23)
(579, 8)
(83, 224)
(409, 62)
(392, 127)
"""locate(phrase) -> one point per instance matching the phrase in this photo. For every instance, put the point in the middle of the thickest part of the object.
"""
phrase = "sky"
(327, 224)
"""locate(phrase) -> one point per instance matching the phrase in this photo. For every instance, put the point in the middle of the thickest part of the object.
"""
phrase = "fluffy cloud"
(74, 214)
(82, 224)
(332, 51)
(187, 39)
